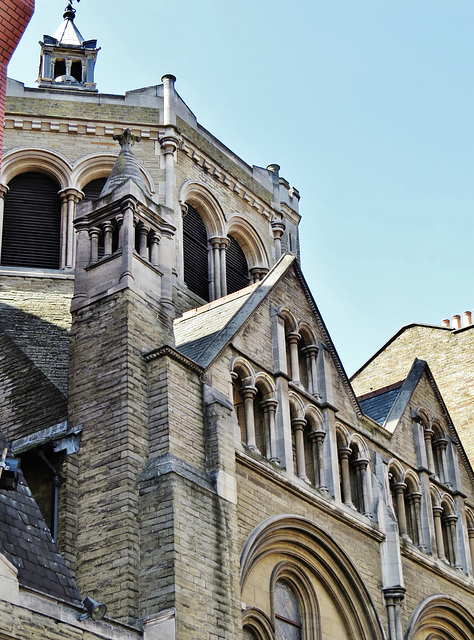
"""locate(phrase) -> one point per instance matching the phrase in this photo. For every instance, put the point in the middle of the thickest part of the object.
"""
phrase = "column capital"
(344, 452)
(278, 228)
(310, 350)
(3, 190)
(270, 404)
(248, 392)
(169, 141)
(317, 435)
(298, 424)
(129, 202)
(399, 487)
(428, 433)
(216, 241)
(395, 594)
(224, 243)
(293, 337)
(437, 510)
(71, 193)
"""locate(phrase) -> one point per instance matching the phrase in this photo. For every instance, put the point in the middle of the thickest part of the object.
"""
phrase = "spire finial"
(126, 139)
(69, 12)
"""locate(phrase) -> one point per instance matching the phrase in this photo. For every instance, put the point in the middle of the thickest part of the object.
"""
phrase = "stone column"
(94, 234)
(3, 192)
(248, 394)
(399, 490)
(344, 454)
(119, 221)
(128, 237)
(278, 228)
(428, 433)
(439, 447)
(437, 513)
(293, 338)
(154, 249)
(311, 353)
(393, 598)
(216, 267)
(108, 229)
(470, 533)
(69, 198)
(298, 425)
(223, 275)
(269, 407)
(361, 465)
(143, 241)
(451, 521)
(317, 440)
(414, 504)
(83, 255)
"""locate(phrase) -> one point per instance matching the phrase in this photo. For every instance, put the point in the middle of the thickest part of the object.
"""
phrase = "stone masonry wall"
(108, 396)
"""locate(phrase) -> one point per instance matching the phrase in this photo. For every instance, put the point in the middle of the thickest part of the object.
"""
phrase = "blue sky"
(366, 106)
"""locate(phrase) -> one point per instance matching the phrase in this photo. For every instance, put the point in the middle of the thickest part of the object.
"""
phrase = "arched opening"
(59, 68)
(237, 270)
(76, 70)
(196, 253)
(32, 222)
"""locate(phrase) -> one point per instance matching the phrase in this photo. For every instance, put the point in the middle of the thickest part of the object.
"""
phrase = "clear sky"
(366, 106)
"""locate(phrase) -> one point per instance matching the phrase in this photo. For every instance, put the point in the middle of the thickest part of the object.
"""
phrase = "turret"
(67, 60)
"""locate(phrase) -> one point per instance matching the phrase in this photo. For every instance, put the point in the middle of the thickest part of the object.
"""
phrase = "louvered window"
(237, 270)
(196, 254)
(93, 188)
(31, 223)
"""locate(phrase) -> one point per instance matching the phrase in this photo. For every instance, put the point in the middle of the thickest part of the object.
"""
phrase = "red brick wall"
(14, 18)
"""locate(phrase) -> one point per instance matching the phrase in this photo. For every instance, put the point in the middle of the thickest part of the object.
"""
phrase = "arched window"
(196, 253)
(470, 533)
(237, 270)
(249, 634)
(32, 222)
(288, 619)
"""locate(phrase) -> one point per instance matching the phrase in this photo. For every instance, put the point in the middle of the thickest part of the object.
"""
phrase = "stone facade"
(213, 472)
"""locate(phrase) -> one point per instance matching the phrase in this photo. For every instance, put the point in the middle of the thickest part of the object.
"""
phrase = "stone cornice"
(170, 352)
(76, 126)
(217, 172)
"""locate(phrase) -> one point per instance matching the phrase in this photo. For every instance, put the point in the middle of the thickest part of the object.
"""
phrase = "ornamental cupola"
(67, 60)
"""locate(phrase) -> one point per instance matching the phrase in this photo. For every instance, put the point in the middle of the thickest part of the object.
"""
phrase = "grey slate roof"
(201, 333)
(26, 542)
(378, 406)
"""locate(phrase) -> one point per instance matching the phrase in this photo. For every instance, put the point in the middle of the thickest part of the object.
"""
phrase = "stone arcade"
(193, 454)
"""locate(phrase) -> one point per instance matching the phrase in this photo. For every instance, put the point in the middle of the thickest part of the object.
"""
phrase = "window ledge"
(27, 272)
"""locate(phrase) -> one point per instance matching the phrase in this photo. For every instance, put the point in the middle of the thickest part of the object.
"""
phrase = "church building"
(184, 456)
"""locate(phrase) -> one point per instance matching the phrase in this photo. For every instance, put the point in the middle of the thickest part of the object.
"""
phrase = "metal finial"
(69, 11)
(126, 138)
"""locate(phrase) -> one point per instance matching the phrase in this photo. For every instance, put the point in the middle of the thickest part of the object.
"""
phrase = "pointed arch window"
(288, 619)
(31, 222)
(237, 270)
(196, 253)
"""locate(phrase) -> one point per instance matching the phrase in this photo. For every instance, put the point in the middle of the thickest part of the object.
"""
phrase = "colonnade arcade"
(221, 253)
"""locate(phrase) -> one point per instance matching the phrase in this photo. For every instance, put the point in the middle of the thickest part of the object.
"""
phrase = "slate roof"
(201, 333)
(26, 542)
(379, 404)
